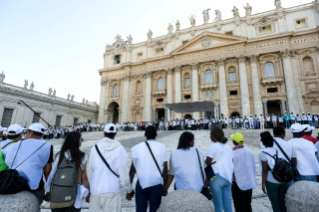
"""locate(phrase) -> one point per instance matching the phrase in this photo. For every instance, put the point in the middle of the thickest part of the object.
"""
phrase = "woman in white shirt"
(220, 186)
(275, 189)
(71, 150)
(185, 163)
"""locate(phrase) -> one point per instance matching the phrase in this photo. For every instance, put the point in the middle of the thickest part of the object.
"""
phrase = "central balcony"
(208, 86)
(159, 92)
(272, 80)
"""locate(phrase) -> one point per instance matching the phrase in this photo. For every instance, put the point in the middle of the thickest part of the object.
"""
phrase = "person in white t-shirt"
(275, 189)
(220, 185)
(185, 165)
(104, 183)
(307, 163)
(262, 122)
(244, 179)
(150, 166)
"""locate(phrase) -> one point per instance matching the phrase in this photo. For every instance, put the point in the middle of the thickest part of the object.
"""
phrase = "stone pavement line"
(260, 202)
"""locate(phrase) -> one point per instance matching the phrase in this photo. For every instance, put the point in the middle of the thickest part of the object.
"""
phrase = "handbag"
(294, 168)
(10, 180)
(210, 171)
(106, 163)
(205, 190)
(147, 144)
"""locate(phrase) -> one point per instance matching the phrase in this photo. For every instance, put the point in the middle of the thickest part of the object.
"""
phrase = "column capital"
(169, 71)
(317, 49)
(293, 52)
(104, 82)
(285, 53)
(253, 58)
(194, 65)
(265, 101)
(241, 58)
(126, 78)
(147, 75)
(221, 62)
(178, 68)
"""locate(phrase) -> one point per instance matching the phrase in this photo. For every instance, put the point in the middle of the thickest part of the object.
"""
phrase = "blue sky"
(60, 43)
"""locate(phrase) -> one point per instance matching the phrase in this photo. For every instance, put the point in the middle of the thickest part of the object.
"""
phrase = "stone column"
(265, 108)
(195, 92)
(283, 106)
(148, 97)
(125, 98)
(178, 89)
(295, 65)
(222, 87)
(289, 81)
(216, 110)
(244, 92)
(255, 85)
(103, 97)
(169, 89)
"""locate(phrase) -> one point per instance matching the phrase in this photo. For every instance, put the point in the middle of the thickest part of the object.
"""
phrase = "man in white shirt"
(262, 122)
(106, 194)
(274, 120)
(150, 166)
(307, 163)
(316, 120)
(251, 122)
(39, 155)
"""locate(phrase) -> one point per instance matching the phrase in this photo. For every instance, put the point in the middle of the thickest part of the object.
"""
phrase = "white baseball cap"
(297, 128)
(110, 128)
(14, 129)
(1, 129)
(308, 128)
(37, 127)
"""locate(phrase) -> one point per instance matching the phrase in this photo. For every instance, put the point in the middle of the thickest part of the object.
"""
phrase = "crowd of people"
(68, 177)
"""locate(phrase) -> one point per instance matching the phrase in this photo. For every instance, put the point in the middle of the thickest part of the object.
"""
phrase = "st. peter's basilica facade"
(249, 64)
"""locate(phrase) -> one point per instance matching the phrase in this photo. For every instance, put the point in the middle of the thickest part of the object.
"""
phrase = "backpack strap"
(106, 163)
(6, 145)
(29, 156)
(200, 164)
(284, 153)
(272, 156)
(147, 144)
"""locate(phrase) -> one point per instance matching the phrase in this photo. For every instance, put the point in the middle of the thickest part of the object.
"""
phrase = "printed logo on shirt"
(62, 177)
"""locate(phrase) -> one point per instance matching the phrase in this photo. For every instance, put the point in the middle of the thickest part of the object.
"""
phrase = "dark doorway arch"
(113, 110)
(188, 116)
(234, 114)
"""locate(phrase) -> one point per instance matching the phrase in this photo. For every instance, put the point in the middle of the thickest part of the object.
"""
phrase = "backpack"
(282, 171)
(64, 184)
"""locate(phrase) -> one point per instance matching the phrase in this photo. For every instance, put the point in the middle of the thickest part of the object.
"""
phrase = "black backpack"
(282, 171)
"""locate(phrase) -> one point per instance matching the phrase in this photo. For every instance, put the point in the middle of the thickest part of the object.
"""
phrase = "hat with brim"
(238, 138)
(14, 130)
(110, 128)
(37, 127)
(298, 128)
(308, 128)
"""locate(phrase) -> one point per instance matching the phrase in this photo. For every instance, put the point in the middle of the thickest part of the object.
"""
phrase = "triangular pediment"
(208, 40)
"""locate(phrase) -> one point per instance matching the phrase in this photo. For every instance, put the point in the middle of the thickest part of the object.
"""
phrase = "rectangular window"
(187, 97)
(6, 118)
(160, 51)
(185, 41)
(36, 118)
(232, 76)
(233, 93)
(272, 90)
(301, 24)
(140, 56)
(265, 30)
(58, 121)
(229, 33)
(160, 100)
(117, 59)
(187, 82)
(75, 121)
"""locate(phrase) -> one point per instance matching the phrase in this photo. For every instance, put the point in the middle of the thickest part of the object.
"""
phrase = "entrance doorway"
(274, 107)
(234, 114)
(114, 110)
(187, 116)
(160, 114)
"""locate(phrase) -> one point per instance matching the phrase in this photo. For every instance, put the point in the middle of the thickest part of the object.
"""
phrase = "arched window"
(308, 65)
(115, 90)
(209, 76)
(232, 74)
(160, 84)
(138, 87)
(269, 69)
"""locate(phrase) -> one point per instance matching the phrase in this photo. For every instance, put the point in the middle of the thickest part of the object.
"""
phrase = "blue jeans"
(307, 178)
(153, 195)
(221, 192)
(162, 128)
(310, 123)
(287, 124)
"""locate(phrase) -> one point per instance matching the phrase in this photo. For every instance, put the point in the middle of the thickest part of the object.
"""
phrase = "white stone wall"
(50, 107)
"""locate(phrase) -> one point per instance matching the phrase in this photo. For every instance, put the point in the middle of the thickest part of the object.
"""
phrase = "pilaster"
(244, 92)
(195, 91)
(255, 84)
(222, 87)
(103, 97)
(148, 97)
(169, 88)
(125, 97)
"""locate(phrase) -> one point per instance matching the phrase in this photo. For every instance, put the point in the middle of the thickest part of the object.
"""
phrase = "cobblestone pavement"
(260, 202)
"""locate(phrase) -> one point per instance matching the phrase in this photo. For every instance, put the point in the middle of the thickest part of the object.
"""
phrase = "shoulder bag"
(210, 171)
(205, 190)
(106, 163)
(147, 144)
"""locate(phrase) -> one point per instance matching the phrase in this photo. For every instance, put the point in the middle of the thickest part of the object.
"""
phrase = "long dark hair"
(184, 140)
(218, 133)
(72, 143)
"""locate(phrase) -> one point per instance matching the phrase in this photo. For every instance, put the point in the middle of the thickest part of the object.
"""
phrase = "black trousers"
(242, 199)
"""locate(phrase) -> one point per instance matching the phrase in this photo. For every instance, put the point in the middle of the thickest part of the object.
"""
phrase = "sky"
(59, 44)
